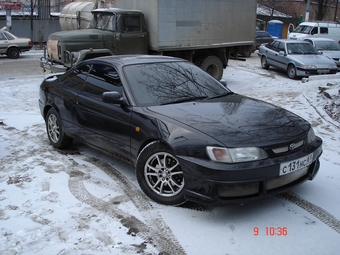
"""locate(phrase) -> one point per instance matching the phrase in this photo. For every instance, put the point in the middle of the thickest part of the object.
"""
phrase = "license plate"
(295, 165)
(323, 70)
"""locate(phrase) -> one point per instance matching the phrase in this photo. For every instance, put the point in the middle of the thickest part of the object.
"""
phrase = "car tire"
(213, 66)
(159, 174)
(13, 53)
(55, 131)
(291, 71)
(264, 63)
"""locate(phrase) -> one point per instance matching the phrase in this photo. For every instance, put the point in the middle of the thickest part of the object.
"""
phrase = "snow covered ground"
(80, 201)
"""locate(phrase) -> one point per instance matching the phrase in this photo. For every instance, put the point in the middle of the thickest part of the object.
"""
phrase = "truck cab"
(118, 30)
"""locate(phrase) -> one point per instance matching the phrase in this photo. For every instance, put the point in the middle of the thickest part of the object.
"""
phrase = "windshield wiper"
(188, 99)
(222, 95)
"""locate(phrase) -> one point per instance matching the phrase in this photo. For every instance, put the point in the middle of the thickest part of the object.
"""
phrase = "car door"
(281, 56)
(3, 43)
(65, 93)
(105, 126)
(132, 37)
(276, 55)
(271, 53)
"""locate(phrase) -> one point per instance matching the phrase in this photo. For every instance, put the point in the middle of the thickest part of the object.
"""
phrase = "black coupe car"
(188, 136)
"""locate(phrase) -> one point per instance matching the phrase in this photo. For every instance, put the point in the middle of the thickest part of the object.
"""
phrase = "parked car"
(327, 47)
(12, 45)
(262, 37)
(188, 136)
(297, 58)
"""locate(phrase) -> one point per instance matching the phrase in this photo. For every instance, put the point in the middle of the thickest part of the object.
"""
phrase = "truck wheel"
(213, 66)
(246, 54)
(55, 131)
(159, 174)
(13, 53)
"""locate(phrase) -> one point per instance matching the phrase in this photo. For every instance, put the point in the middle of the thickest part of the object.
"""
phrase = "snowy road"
(80, 201)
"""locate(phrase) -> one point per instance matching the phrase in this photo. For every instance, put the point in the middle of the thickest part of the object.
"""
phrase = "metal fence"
(38, 30)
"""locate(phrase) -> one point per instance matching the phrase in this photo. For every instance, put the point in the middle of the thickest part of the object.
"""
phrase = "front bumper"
(306, 72)
(47, 64)
(216, 183)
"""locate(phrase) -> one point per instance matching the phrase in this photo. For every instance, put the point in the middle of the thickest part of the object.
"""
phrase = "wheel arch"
(12, 46)
(290, 64)
(148, 143)
(47, 108)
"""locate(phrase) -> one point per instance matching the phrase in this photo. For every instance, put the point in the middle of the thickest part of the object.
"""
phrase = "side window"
(276, 46)
(323, 30)
(307, 40)
(9, 36)
(270, 45)
(76, 79)
(314, 30)
(102, 78)
(2, 37)
(281, 47)
(129, 23)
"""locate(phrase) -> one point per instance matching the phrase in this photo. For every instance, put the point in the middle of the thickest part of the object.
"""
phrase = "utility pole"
(336, 10)
(307, 10)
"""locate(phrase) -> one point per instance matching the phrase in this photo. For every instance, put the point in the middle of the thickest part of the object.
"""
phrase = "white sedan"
(12, 45)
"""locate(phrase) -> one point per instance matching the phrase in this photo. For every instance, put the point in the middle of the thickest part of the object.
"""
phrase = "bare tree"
(322, 8)
(272, 5)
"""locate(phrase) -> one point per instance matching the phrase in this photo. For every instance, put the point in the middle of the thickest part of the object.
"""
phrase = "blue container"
(275, 28)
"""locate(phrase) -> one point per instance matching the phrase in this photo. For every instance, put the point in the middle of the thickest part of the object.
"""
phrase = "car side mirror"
(281, 52)
(113, 97)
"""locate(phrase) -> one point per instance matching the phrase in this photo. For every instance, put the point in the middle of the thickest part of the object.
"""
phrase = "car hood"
(311, 59)
(331, 53)
(238, 121)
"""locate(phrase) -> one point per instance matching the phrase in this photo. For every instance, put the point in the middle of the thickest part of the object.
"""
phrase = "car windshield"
(171, 82)
(327, 45)
(303, 29)
(300, 48)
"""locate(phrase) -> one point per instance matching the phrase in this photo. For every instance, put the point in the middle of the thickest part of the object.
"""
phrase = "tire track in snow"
(316, 211)
(154, 231)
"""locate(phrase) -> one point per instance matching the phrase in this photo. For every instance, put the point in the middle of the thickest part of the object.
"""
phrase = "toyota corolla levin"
(188, 136)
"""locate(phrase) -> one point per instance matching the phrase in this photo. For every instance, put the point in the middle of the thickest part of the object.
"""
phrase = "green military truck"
(206, 33)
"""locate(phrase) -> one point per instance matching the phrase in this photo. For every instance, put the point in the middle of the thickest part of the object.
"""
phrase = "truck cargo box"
(190, 24)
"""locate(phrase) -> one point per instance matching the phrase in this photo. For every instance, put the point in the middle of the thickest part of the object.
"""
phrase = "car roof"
(318, 39)
(123, 60)
(290, 41)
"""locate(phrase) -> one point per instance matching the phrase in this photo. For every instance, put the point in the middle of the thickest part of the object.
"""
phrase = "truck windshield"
(303, 29)
(103, 21)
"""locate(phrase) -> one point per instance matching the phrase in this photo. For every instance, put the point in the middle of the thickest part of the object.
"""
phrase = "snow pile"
(330, 94)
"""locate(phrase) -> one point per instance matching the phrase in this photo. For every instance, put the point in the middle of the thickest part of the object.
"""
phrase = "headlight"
(308, 66)
(333, 66)
(311, 136)
(235, 155)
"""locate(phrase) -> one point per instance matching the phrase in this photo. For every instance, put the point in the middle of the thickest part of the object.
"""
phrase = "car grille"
(288, 147)
(239, 190)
